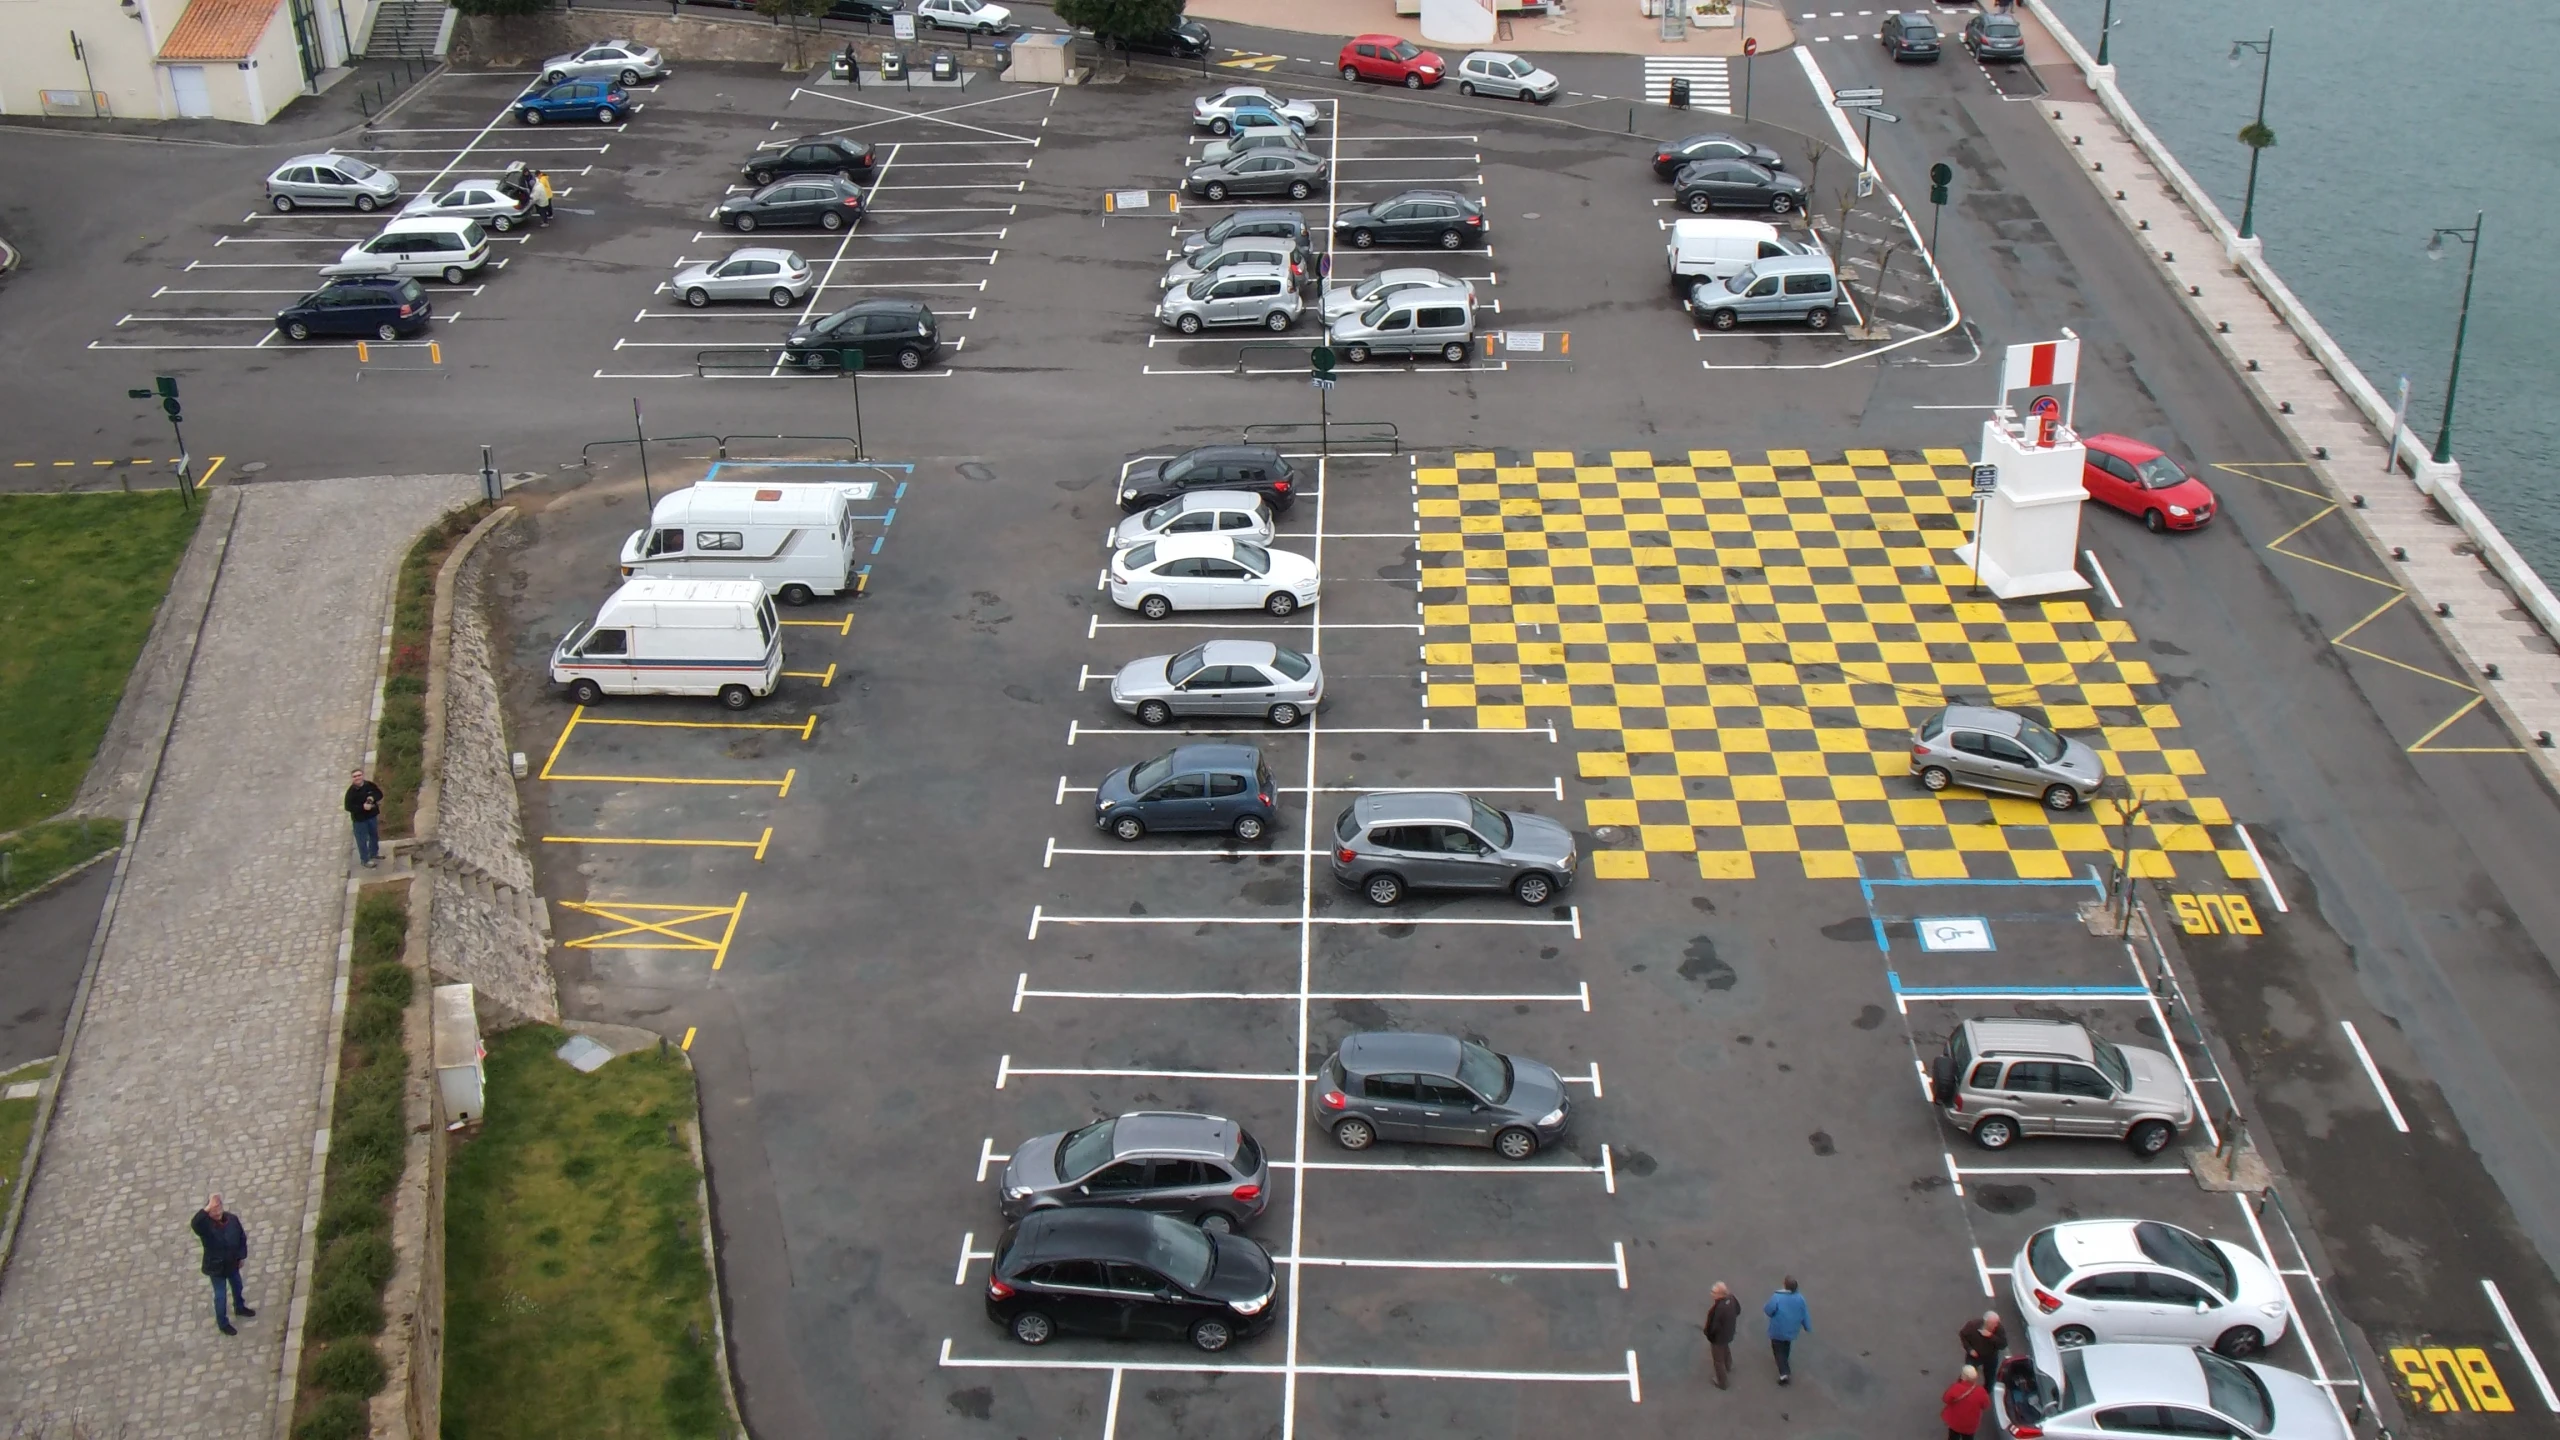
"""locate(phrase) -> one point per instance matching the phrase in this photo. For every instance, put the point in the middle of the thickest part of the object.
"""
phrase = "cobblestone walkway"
(197, 1065)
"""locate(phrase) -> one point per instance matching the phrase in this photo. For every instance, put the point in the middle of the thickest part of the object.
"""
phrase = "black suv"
(1417, 217)
(1706, 185)
(1129, 1273)
(1261, 469)
(812, 155)
(885, 331)
(1910, 36)
(829, 202)
(1257, 223)
(1668, 160)
(383, 306)
(1184, 40)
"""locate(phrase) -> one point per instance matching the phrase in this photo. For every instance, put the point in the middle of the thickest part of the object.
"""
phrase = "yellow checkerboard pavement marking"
(1742, 650)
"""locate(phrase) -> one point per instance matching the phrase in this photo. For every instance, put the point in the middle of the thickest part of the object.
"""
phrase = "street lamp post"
(2468, 235)
(2257, 137)
(2106, 22)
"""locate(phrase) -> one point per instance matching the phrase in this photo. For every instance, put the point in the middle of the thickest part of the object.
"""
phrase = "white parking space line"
(1616, 1266)
(2373, 1073)
(2524, 1351)
(2100, 572)
(1006, 1071)
(987, 1156)
(2266, 876)
(1630, 1377)
(960, 1276)
(1983, 1269)
(1606, 1169)
(1022, 991)
(1040, 916)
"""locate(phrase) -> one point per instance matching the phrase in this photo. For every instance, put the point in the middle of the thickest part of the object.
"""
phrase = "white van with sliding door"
(1715, 247)
(675, 637)
(795, 538)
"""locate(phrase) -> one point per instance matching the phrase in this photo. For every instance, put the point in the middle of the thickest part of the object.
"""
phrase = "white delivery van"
(796, 539)
(675, 637)
(1715, 247)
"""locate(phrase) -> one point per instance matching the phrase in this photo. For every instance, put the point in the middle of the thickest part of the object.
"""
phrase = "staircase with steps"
(490, 933)
(406, 27)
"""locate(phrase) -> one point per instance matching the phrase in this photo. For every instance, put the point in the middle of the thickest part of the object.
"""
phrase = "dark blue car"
(599, 100)
(382, 307)
(1196, 787)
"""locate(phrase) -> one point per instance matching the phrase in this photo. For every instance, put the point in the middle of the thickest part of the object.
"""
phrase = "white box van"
(442, 247)
(675, 637)
(796, 539)
(1714, 248)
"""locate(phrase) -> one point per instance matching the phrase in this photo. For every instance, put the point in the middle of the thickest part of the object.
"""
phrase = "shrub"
(334, 1417)
(351, 1367)
(346, 1306)
(365, 1257)
(346, 1212)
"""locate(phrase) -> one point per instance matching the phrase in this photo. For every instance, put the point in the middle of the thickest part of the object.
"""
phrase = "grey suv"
(1388, 1085)
(1999, 1079)
(1203, 1168)
(2003, 750)
(1386, 844)
(1249, 293)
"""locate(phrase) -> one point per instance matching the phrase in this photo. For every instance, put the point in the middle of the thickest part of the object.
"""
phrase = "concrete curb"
(58, 881)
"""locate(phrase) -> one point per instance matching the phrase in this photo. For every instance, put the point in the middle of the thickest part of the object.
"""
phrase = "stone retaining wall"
(515, 41)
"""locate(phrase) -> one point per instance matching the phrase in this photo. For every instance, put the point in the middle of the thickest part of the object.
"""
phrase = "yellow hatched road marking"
(758, 845)
(634, 918)
(841, 627)
(825, 678)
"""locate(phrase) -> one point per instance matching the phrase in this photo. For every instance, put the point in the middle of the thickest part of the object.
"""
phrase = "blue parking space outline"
(1868, 886)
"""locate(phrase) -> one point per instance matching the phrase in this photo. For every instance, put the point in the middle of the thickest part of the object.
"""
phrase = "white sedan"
(1214, 111)
(1210, 572)
(2139, 1280)
(965, 15)
(626, 62)
(479, 200)
(2098, 1392)
(1351, 299)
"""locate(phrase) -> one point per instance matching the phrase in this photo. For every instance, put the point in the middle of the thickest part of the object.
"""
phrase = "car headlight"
(1016, 1192)
(1128, 494)
(1552, 1117)
(1256, 1305)
(2180, 511)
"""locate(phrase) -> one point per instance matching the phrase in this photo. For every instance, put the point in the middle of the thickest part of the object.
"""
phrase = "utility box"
(459, 1077)
(1040, 60)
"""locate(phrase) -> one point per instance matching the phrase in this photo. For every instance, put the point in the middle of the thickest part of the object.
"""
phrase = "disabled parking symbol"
(1954, 932)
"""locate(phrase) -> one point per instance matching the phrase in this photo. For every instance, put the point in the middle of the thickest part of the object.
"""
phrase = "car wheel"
(1279, 321)
(1362, 239)
(502, 223)
(1356, 354)
(1995, 1132)
(2072, 1337)
(1355, 1134)
(1525, 95)
(762, 177)
(1935, 777)
(630, 78)
(555, 77)
(1187, 324)
(367, 204)
(1213, 1335)
(744, 222)
(1281, 603)
(1219, 127)
(1217, 190)
(586, 692)
(1129, 827)
(1283, 714)
(1817, 318)
(1724, 319)
(284, 204)
(910, 359)
(1300, 190)
(697, 297)
(2240, 1342)
(737, 697)
(1216, 1222)
(2150, 1137)
(2154, 521)
(1155, 607)
(1033, 1328)
(1454, 353)
(1466, 87)
(795, 595)
(1351, 73)
(386, 331)
(1515, 1144)
(531, 117)
(1780, 205)
(604, 114)
(1383, 889)
(783, 299)
(455, 275)
(2060, 797)
(1534, 889)
(1250, 827)
(297, 331)
(1698, 204)
(1154, 712)
(1412, 81)
(830, 220)
(1451, 239)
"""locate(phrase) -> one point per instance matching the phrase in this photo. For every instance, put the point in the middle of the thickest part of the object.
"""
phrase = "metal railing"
(721, 445)
(741, 360)
(1327, 434)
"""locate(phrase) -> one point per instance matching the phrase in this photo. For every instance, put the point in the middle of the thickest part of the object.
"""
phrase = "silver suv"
(2003, 750)
(1442, 840)
(1203, 1168)
(1264, 295)
(1999, 1079)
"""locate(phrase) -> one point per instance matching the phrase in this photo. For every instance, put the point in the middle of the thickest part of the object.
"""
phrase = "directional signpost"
(165, 387)
(1320, 374)
(1986, 479)
(1940, 176)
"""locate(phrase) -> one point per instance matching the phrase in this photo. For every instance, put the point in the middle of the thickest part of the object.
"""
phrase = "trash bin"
(1679, 92)
(893, 64)
(1004, 55)
(945, 68)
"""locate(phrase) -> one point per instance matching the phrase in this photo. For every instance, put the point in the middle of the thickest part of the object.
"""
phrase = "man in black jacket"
(364, 808)
(226, 1244)
(1723, 1313)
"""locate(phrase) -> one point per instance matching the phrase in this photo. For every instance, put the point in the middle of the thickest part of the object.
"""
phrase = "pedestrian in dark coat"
(1788, 1318)
(1961, 1409)
(364, 810)
(226, 1244)
(1984, 1342)
(1724, 1315)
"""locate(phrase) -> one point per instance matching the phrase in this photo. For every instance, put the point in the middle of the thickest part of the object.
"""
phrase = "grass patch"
(17, 1122)
(42, 851)
(368, 1138)
(400, 743)
(578, 1302)
(85, 575)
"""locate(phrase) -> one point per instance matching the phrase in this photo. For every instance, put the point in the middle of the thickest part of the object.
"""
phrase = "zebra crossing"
(1709, 87)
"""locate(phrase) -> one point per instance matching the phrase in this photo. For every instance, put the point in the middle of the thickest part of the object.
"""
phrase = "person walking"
(364, 808)
(226, 1244)
(1788, 1318)
(542, 194)
(1961, 1409)
(1724, 1315)
(1984, 1342)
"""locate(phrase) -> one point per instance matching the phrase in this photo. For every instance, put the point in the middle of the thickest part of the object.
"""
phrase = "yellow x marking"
(665, 921)
(1253, 62)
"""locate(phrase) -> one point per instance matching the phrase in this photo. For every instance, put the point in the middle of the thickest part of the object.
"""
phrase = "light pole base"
(2433, 473)
(2252, 248)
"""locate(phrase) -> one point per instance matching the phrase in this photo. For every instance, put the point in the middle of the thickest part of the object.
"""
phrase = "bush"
(393, 982)
(350, 1367)
(365, 1257)
(334, 1417)
(346, 1306)
(346, 1212)
(374, 1020)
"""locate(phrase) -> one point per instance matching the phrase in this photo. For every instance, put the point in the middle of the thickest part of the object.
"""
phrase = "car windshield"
(1178, 468)
(2230, 1388)
(1185, 665)
(1290, 663)
(1406, 50)
(1084, 1151)
(2044, 1258)
(1742, 279)
(1369, 289)
(2159, 473)
(355, 169)
(1517, 67)
(1375, 315)
(1162, 515)
(1254, 557)
(1138, 557)
(2175, 1248)
(2047, 746)
(1221, 230)
(1183, 1253)
(1148, 774)
(2111, 1060)
(2000, 26)
(1199, 289)
(1484, 1072)
(1492, 824)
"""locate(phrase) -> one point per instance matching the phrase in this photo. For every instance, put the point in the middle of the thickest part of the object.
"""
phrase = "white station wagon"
(1210, 572)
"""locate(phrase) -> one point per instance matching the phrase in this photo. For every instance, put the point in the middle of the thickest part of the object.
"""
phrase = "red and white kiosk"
(2026, 535)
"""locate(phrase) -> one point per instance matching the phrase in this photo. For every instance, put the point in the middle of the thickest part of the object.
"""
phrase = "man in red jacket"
(1964, 1404)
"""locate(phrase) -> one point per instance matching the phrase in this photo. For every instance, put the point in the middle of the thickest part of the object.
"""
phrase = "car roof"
(2085, 1243)
(1084, 1232)
(1266, 243)
(1237, 652)
(1254, 270)
(2123, 447)
(1403, 807)
(1173, 1132)
(1224, 449)
(1979, 717)
(1794, 264)
(815, 140)
(1705, 135)
(2001, 1036)
(1371, 1051)
(2153, 1374)
(1191, 500)
(1491, 55)
(1187, 758)
(1374, 37)
(1451, 195)
(1185, 547)
(378, 282)
(757, 252)
(883, 304)
(1429, 294)
(1408, 273)
(416, 223)
(1259, 213)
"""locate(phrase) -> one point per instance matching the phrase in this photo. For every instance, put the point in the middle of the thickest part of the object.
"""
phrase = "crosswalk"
(1709, 89)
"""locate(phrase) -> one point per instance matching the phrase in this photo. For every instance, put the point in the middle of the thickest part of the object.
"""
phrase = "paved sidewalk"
(1612, 27)
(197, 1065)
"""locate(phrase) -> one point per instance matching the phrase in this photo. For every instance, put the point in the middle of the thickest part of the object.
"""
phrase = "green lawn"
(577, 1298)
(42, 851)
(85, 575)
(17, 1121)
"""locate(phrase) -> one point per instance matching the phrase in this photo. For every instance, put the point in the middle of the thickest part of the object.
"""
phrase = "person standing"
(364, 808)
(542, 194)
(226, 1244)
(1984, 1342)
(1788, 1318)
(1724, 1315)
(1962, 1407)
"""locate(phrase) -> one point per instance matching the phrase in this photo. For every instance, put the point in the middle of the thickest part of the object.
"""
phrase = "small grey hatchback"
(1204, 1168)
(1389, 1085)
(2003, 750)
(1386, 844)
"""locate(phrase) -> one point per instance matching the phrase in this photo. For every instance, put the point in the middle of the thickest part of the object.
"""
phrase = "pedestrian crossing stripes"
(1709, 88)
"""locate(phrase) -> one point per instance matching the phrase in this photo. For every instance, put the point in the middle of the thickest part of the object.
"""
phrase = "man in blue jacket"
(226, 1244)
(1787, 1319)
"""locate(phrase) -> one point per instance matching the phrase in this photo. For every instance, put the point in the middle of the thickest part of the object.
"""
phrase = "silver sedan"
(1222, 678)
(1351, 299)
(1492, 72)
(778, 277)
(330, 178)
(479, 200)
(626, 62)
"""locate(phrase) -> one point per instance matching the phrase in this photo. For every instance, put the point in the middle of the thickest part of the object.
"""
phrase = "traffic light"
(1940, 175)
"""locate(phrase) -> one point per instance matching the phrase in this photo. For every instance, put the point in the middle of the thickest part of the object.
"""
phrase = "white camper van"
(794, 538)
(675, 637)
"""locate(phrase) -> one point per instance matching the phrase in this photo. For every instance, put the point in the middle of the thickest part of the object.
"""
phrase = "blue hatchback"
(599, 100)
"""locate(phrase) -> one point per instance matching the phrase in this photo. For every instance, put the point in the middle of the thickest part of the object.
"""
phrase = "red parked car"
(1392, 59)
(2140, 481)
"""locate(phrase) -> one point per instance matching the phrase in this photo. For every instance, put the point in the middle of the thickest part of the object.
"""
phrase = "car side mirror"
(1084, 1189)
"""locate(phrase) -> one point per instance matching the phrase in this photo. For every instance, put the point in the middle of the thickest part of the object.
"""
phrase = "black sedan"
(1706, 185)
(829, 202)
(812, 155)
(1129, 1274)
(384, 307)
(866, 11)
(1995, 37)
(1293, 173)
(1443, 218)
(1188, 40)
(1667, 159)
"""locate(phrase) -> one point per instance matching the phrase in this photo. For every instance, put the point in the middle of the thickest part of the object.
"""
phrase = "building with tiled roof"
(238, 60)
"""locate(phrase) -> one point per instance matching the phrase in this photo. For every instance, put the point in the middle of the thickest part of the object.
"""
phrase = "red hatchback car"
(1395, 60)
(2140, 481)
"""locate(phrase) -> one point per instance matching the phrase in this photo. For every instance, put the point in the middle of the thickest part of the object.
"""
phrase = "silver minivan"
(1410, 322)
(1262, 295)
(330, 179)
(1803, 288)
